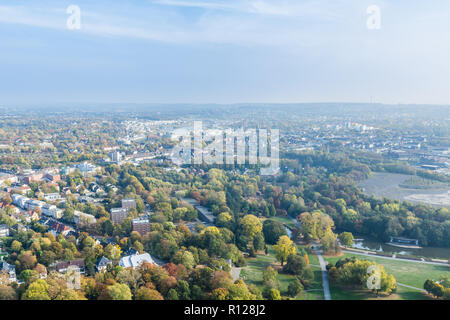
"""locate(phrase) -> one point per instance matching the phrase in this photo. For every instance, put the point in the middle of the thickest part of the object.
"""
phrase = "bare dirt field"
(392, 185)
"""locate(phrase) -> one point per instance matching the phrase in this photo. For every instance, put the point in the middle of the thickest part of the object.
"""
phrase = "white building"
(10, 269)
(52, 196)
(135, 261)
(19, 200)
(4, 230)
(82, 218)
(52, 211)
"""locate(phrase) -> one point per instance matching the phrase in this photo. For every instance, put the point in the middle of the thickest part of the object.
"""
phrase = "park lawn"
(284, 220)
(252, 274)
(402, 293)
(410, 273)
(313, 260)
(315, 290)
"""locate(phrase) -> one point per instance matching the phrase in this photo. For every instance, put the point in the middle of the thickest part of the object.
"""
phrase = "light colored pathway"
(405, 285)
(391, 258)
(323, 266)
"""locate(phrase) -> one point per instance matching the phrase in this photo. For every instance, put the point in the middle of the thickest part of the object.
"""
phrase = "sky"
(224, 51)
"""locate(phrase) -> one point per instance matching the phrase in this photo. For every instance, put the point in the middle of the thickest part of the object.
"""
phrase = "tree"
(16, 246)
(436, 289)
(269, 275)
(250, 226)
(295, 264)
(284, 248)
(274, 294)
(172, 294)
(346, 239)
(273, 230)
(295, 287)
(145, 293)
(316, 224)
(258, 242)
(38, 290)
(7, 293)
(119, 292)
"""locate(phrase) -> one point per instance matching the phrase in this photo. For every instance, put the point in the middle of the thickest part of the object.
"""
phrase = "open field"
(406, 272)
(252, 274)
(407, 188)
(401, 294)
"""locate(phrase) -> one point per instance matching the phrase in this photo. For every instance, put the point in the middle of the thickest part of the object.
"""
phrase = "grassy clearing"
(252, 274)
(402, 293)
(406, 272)
(285, 220)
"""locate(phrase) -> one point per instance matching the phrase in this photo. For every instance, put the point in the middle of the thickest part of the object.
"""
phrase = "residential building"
(10, 270)
(129, 204)
(115, 156)
(52, 211)
(103, 263)
(34, 204)
(82, 218)
(135, 261)
(52, 196)
(4, 230)
(118, 215)
(52, 177)
(77, 265)
(141, 225)
(19, 200)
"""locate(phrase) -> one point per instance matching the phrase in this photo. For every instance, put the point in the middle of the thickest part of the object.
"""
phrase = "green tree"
(346, 239)
(284, 248)
(119, 291)
(295, 287)
(251, 226)
(38, 290)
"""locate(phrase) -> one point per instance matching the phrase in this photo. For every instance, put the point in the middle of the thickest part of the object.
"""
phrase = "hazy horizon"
(203, 52)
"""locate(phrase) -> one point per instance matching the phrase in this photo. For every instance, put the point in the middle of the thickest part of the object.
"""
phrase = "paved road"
(400, 259)
(323, 266)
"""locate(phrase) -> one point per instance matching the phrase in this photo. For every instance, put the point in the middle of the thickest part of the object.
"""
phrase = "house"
(31, 216)
(19, 227)
(135, 261)
(103, 263)
(19, 200)
(4, 230)
(52, 211)
(33, 177)
(5, 177)
(56, 227)
(77, 265)
(21, 189)
(52, 177)
(10, 270)
(52, 196)
(82, 218)
(34, 204)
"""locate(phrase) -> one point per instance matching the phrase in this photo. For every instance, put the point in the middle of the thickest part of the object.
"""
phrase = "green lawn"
(252, 274)
(285, 220)
(402, 293)
(406, 272)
